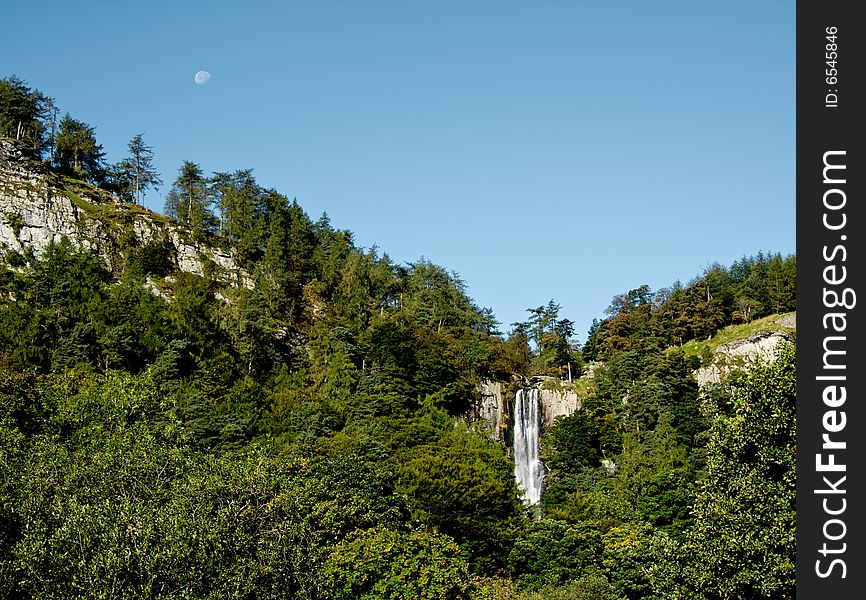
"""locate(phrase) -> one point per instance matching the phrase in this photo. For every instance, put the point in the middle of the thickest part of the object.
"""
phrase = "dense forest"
(302, 437)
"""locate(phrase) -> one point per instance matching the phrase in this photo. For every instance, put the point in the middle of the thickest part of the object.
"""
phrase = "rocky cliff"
(493, 407)
(489, 411)
(741, 353)
(38, 207)
(557, 402)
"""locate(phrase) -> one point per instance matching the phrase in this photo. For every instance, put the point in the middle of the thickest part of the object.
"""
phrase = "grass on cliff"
(100, 204)
(582, 386)
(732, 333)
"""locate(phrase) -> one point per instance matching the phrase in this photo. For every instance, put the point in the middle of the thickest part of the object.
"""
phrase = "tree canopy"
(300, 429)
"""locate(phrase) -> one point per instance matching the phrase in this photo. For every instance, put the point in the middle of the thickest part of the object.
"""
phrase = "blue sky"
(548, 149)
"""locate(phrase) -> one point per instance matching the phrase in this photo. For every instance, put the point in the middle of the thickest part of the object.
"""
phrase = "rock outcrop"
(742, 353)
(557, 398)
(557, 402)
(489, 411)
(492, 409)
(38, 207)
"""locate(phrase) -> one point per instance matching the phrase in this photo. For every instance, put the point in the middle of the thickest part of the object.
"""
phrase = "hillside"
(38, 207)
(784, 324)
(736, 347)
(240, 402)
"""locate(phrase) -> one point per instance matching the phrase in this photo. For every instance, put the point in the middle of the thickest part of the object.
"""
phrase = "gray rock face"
(489, 411)
(37, 209)
(557, 403)
(742, 353)
(789, 320)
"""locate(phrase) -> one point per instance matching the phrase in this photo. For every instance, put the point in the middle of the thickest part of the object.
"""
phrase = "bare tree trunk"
(189, 210)
(54, 112)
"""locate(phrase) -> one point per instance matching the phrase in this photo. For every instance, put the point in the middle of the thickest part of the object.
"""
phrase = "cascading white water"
(528, 469)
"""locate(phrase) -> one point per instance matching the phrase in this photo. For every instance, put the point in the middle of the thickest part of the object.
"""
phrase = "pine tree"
(24, 112)
(189, 200)
(78, 151)
(241, 205)
(137, 169)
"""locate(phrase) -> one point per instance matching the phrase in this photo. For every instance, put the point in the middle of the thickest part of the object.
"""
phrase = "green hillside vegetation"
(733, 333)
(302, 438)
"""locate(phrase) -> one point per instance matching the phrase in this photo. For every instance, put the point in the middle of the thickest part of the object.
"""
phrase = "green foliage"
(552, 337)
(573, 438)
(654, 478)
(739, 547)
(135, 174)
(25, 113)
(108, 500)
(750, 288)
(16, 222)
(157, 258)
(463, 486)
(242, 212)
(634, 391)
(301, 438)
(552, 552)
(627, 560)
(160, 523)
(78, 152)
(56, 306)
(286, 266)
(189, 201)
(593, 586)
(589, 587)
(192, 312)
(380, 563)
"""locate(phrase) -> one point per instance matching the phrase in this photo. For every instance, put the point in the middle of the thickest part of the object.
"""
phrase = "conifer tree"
(24, 112)
(189, 200)
(242, 211)
(78, 151)
(137, 169)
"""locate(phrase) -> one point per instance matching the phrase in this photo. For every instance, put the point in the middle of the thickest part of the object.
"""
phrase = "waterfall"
(528, 469)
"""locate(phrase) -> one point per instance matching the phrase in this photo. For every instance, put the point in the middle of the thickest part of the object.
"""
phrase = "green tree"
(554, 552)
(24, 113)
(192, 313)
(137, 169)
(653, 478)
(332, 371)
(380, 563)
(574, 443)
(463, 486)
(287, 264)
(592, 346)
(555, 350)
(57, 305)
(252, 331)
(743, 541)
(242, 211)
(781, 283)
(78, 151)
(189, 200)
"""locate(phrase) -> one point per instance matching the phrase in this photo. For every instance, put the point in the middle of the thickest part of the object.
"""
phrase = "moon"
(202, 77)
